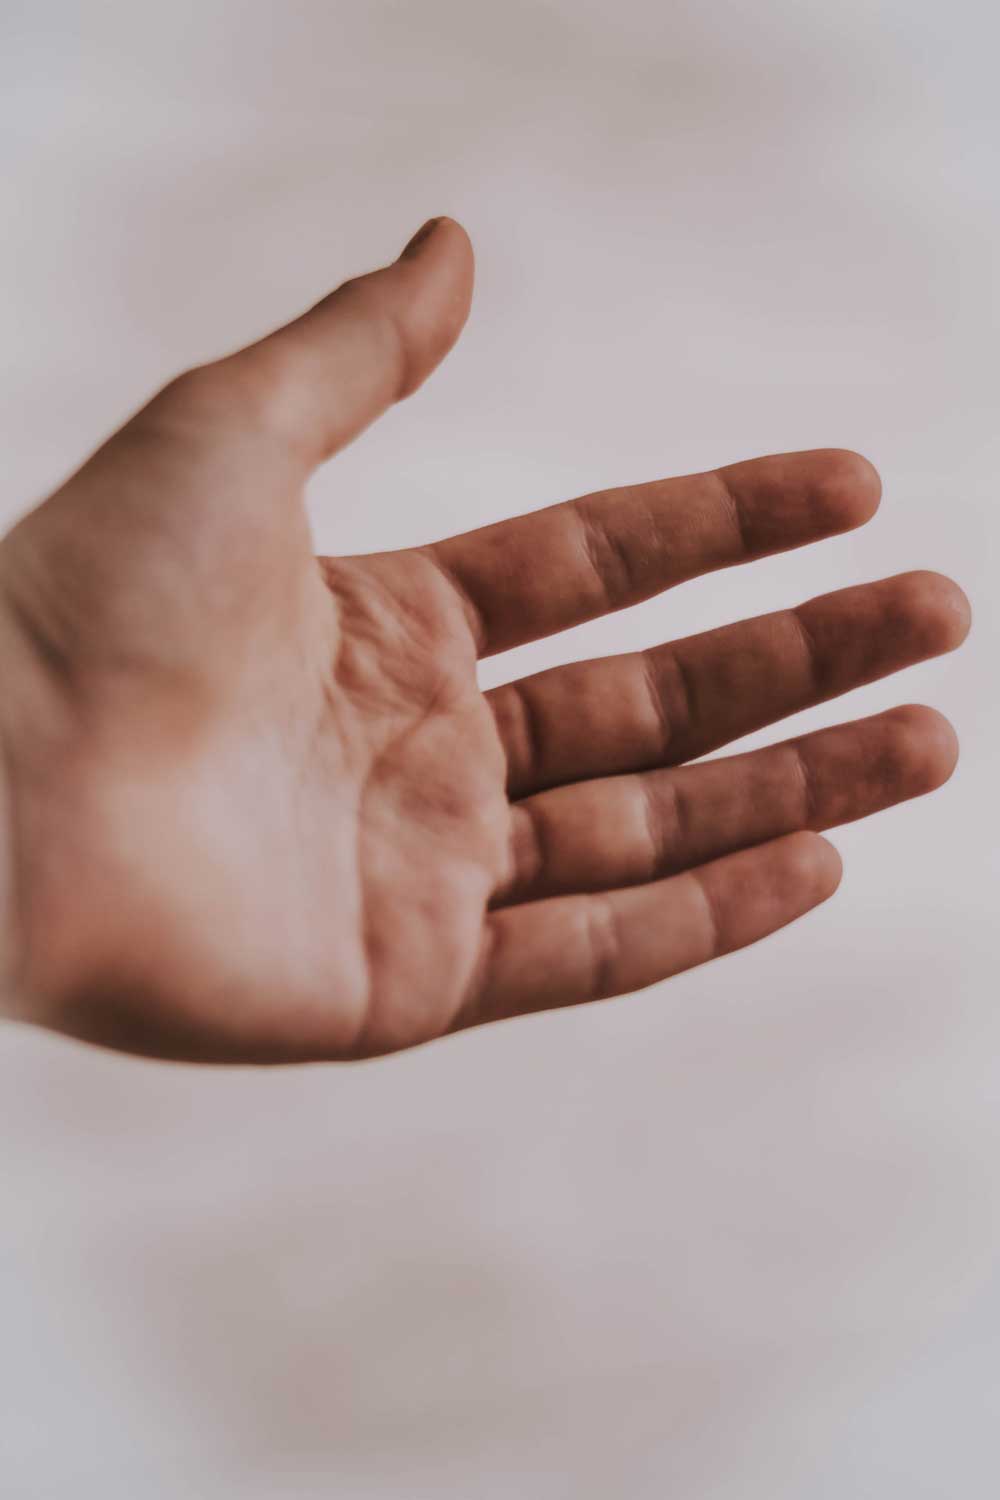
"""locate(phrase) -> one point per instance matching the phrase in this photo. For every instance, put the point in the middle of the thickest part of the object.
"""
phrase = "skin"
(259, 809)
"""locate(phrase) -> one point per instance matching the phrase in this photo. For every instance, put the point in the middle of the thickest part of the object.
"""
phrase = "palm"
(423, 812)
(264, 809)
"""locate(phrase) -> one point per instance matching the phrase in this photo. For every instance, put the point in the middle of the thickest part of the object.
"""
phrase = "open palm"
(260, 808)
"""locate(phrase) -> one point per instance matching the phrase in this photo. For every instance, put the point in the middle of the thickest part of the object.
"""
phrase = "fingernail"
(423, 234)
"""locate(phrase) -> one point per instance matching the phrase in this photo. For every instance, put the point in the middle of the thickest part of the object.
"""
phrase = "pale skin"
(258, 808)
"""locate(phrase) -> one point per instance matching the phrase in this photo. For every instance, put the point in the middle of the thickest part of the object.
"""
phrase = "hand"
(259, 808)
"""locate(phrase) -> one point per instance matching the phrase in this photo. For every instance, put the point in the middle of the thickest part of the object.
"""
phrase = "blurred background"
(736, 1238)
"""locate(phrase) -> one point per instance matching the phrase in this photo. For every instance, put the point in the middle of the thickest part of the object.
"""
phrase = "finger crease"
(532, 851)
(810, 650)
(405, 382)
(658, 833)
(530, 737)
(735, 512)
(473, 614)
(713, 921)
(806, 783)
(483, 980)
(604, 937)
(657, 700)
(681, 716)
(609, 559)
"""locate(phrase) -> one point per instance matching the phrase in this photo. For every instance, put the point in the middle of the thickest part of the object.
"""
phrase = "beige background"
(736, 1238)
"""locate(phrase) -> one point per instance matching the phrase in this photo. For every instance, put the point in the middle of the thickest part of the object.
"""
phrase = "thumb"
(324, 377)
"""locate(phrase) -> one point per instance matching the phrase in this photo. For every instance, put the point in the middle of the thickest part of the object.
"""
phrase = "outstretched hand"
(258, 807)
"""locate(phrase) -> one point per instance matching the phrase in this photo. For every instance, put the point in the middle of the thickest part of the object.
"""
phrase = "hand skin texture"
(258, 808)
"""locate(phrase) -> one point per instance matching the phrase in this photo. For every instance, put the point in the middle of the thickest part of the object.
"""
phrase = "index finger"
(557, 567)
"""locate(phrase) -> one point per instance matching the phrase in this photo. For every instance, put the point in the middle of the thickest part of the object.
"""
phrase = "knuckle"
(238, 392)
(186, 391)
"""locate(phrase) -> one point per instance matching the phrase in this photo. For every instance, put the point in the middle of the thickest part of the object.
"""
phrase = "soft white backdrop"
(733, 1239)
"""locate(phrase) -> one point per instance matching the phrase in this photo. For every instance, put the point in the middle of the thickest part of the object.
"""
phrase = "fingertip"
(928, 744)
(792, 873)
(789, 499)
(773, 883)
(457, 231)
(937, 607)
(848, 488)
(436, 272)
(441, 228)
(417, 242)
(815, 863)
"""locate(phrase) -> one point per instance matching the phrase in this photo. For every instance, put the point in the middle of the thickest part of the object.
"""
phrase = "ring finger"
(626, 830)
